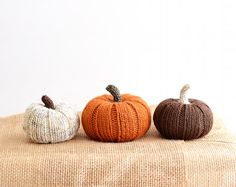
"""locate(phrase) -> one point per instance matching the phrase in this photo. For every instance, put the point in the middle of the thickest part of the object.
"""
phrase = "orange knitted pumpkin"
(116, 118)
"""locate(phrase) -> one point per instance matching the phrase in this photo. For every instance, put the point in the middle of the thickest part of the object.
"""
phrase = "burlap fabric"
(149, 161)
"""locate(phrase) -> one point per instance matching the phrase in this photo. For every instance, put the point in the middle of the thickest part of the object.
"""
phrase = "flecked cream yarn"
(50, 123)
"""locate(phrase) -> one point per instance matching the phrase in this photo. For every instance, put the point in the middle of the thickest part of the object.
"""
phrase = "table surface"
(148, 161)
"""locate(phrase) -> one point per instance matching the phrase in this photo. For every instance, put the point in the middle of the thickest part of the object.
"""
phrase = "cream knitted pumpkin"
(50, 124)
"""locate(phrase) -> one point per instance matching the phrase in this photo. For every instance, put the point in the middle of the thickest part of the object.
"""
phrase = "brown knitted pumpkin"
(180, 119)
(116, 118)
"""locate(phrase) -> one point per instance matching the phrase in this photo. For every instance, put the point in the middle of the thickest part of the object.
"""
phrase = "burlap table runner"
(149, 161)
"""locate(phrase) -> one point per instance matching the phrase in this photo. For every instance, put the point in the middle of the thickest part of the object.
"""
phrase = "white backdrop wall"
(71, 50)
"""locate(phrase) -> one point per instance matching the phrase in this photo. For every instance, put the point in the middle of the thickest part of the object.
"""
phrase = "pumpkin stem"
(114, 92)
(48, 102)
(183, 98)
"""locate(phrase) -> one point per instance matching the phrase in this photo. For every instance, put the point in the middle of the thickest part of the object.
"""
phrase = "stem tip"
(183, 91)
(114, 92)
(47, 102)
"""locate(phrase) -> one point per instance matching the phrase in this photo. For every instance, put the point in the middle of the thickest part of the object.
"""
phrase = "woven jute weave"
(149, 161)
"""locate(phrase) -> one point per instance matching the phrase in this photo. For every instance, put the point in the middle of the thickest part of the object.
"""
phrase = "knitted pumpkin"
(50, 123)
(115, 117)
(182, 118)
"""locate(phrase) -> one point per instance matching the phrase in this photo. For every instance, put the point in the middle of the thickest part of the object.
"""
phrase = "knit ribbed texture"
(105, 120)
(44, 125)
(149, 161)
(176, 120)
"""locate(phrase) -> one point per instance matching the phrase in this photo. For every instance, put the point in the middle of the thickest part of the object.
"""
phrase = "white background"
(71, 50)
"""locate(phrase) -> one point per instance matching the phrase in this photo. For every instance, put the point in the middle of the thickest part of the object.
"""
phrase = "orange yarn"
(104, 119)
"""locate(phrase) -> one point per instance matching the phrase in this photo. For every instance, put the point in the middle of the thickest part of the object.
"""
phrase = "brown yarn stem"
(114, 92)
(47, 102)
(183, 98)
